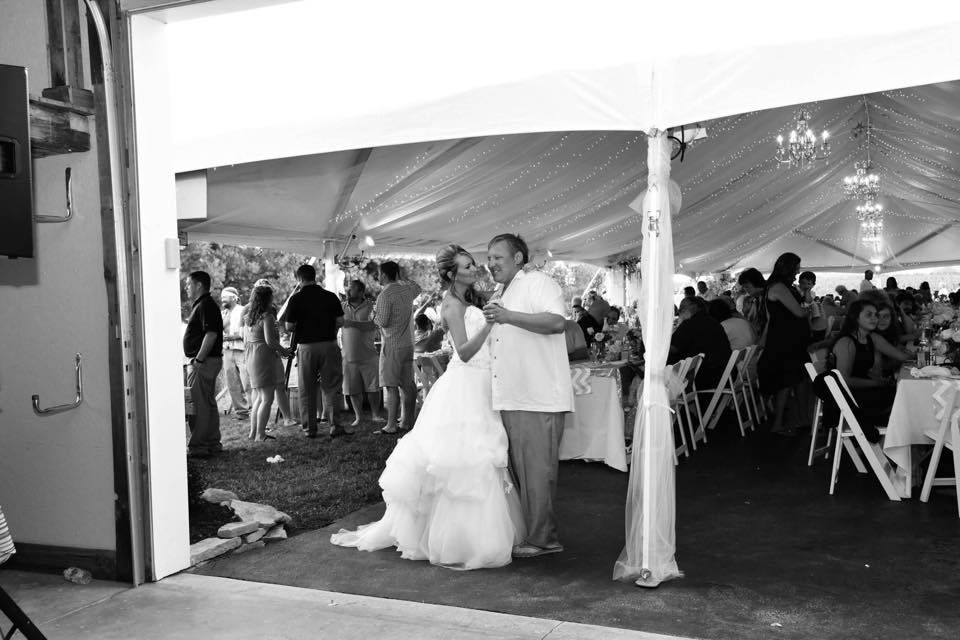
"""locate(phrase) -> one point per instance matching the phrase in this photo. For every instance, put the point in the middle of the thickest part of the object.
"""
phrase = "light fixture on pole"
(862, 185)
(801, 148)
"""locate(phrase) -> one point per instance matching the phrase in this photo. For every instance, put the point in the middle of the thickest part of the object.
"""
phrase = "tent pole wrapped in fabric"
(648, 555)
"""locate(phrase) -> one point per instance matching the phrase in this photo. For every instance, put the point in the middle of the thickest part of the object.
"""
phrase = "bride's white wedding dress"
(446, 486)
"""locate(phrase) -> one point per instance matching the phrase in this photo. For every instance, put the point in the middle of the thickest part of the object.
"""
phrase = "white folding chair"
(749, 365)
(754, 381)
(948, 435)
(813, 369)
(690, 395)
(726, 390)
(849, 430)
(679, 369)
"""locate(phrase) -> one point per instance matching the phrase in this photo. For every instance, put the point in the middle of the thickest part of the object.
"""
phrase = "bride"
(446, 485)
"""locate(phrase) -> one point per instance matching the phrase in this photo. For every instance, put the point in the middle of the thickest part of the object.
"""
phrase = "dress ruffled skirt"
(446, 485)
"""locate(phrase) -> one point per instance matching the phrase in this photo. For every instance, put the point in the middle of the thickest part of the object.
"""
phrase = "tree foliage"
(241, 266)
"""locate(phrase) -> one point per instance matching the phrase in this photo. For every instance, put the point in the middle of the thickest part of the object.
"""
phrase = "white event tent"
(419, 123)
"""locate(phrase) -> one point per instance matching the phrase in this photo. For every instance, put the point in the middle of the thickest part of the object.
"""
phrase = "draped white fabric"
(569, 192)
(648, 555)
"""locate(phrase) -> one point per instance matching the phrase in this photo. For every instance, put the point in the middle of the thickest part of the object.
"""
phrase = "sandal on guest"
(383, 431)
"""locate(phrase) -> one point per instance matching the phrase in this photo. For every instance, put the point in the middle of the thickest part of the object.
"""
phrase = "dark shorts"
(396, 367)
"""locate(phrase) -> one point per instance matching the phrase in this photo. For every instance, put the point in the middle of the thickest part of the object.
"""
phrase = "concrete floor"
(766, 551)
(194, 606)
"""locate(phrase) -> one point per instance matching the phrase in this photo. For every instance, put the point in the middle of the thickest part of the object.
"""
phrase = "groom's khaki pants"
(534, 460)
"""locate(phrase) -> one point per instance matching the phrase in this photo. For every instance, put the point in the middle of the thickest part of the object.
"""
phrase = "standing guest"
(283, 398)
(689, 292)
(925, 294)
(818, 322)
(314, 315)
(392, 314)
(739, 332)
(263, 358)
(780, 368)
(704, 292)
(360, 357)
(699, 333)
(867, 283)
(203, 345)
(234, 367)
(752, 306)
(531, 384)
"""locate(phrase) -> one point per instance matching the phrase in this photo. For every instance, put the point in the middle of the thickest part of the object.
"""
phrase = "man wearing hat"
(234, 364)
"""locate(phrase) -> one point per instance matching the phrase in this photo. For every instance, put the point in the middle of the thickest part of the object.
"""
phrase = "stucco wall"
(56, 473)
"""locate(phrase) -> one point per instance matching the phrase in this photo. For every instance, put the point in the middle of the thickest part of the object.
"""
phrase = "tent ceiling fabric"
(569, 192)
(316, 76)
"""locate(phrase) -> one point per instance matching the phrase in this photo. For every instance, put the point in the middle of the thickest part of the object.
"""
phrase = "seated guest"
(589, 325)
(699, 333)
(888, 327)
(576, 309)
(904, 308)
(704, 292)
(426, 339)
(752, 305)
(829, 309)
(857, 352)
(576, 344)
(818, 322)
(612, 319)
(592, 321)
(892, 289)
(739, 332)
(689, 292)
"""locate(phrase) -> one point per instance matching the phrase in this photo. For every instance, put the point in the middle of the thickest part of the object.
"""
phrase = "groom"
(531, 384)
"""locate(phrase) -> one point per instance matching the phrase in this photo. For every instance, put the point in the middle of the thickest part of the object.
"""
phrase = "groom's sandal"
(533, 551)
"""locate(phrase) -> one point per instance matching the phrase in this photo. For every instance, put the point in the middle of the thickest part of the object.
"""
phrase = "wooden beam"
(66, 54)
(57, 128)
(55, 43)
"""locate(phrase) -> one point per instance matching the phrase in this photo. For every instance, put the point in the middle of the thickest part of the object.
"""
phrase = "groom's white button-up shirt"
(531, 371)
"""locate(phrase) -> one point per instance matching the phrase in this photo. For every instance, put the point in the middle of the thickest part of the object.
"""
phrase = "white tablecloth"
(913, 413)
(595, 430)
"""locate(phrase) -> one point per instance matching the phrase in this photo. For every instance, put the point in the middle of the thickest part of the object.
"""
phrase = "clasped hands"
(494, 312)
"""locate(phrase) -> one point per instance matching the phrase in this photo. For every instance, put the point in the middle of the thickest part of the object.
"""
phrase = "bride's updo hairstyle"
(447, 270)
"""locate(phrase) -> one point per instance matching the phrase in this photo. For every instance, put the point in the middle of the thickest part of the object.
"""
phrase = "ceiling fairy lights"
(801, 149)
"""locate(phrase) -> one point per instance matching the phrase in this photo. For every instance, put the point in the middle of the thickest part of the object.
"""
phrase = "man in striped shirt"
(392, 314)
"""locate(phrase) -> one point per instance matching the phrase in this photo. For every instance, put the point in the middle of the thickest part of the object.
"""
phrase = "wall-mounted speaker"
(16, 190)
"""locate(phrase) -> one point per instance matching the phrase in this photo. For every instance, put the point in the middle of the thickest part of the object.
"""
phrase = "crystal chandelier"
(870, 215)
(862, 185)
(801, 148)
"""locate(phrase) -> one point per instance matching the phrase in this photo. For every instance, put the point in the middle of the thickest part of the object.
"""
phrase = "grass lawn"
(320, 480)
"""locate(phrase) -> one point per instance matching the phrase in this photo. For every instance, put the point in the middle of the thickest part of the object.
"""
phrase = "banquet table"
(594, 431)
(915, 410)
